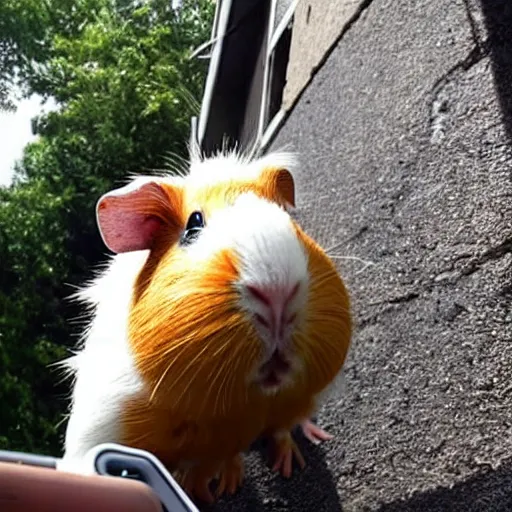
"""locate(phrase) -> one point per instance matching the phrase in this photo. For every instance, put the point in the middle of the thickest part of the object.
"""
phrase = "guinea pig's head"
(234, 300)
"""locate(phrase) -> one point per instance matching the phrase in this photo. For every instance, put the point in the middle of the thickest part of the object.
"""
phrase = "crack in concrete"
(450, 274)
(408, 297)
(440, 104)
(400, 299)
(479, 52)
(493, 253)
(363, 6)
(472, 23)
(358, 14)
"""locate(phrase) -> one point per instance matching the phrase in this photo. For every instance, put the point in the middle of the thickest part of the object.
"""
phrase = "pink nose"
(274, 312)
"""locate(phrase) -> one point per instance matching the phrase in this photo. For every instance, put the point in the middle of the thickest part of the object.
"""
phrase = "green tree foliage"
(27, 28)
(125, 87)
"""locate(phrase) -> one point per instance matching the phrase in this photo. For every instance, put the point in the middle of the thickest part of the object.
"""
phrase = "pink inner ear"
(127, 231)
(122, 228)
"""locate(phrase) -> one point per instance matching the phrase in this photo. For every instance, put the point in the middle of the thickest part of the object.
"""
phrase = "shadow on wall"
(498, 20)
(487, 492)
(491, 490)
(310, 489)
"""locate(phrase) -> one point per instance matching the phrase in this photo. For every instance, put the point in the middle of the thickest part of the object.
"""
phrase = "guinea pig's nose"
(274, 309)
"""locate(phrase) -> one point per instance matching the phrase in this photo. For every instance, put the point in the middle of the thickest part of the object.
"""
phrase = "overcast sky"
(15, 132)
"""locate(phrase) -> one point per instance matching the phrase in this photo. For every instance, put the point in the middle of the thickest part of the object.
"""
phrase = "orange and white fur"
(217, 321)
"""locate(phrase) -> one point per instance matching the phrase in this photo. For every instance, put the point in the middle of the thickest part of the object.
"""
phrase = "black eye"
(194, 225)
(195, 221)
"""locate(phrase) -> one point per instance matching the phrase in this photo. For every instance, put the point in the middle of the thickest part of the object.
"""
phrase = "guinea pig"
(217, 321)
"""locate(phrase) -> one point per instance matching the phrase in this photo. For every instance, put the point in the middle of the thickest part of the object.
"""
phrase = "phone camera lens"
(120, 469)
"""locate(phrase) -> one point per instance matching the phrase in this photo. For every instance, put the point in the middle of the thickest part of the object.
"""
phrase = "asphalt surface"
(404, 136)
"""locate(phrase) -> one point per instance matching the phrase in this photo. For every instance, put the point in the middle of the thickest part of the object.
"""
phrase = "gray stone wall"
(405, 140)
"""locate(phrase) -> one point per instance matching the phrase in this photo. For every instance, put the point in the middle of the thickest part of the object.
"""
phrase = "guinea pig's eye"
(194, 225)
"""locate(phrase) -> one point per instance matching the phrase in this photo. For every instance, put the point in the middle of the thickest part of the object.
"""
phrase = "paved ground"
(405, 137)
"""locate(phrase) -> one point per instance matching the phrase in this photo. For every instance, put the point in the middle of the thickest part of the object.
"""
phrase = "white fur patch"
(262, 235)
(230, 166)
(220, 168)
(104, 372)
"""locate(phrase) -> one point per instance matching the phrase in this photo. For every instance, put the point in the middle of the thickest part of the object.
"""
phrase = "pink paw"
(314, 433)
(284, 451)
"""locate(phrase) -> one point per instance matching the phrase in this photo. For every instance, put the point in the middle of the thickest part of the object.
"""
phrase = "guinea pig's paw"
(314, 433)
(231, 476)
(284, 450)
(196, 481)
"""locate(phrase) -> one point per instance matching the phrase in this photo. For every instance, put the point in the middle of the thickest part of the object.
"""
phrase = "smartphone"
(112, 460)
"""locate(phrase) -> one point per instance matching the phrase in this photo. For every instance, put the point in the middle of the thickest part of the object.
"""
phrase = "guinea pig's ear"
(279, 185)
(131, 217)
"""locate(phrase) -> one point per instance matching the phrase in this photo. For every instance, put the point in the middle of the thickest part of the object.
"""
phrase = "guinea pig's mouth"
(272, 373)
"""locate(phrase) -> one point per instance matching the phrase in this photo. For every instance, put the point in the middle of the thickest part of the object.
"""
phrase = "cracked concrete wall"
(405, 141)
(317, 26)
